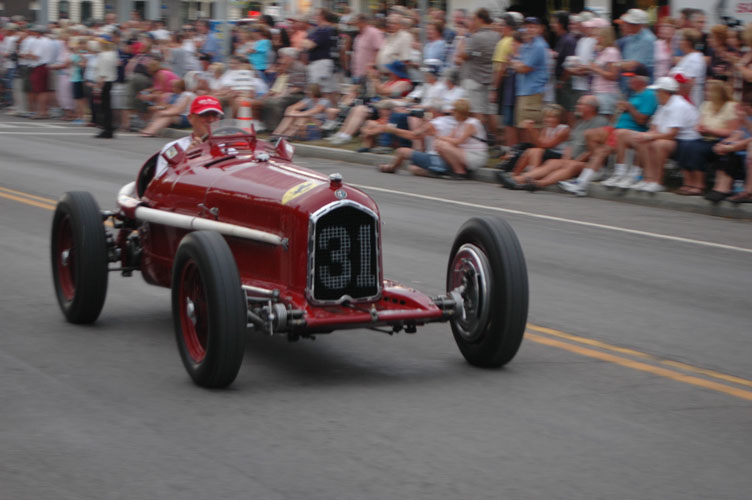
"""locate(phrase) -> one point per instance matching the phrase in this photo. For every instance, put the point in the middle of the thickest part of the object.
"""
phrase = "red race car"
(247, 239)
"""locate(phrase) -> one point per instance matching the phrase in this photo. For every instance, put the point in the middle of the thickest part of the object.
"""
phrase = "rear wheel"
(79, 257)
(208, 309)
(487, 267)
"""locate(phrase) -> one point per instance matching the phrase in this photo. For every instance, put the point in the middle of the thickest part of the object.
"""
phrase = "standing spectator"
(105, 76)
(584, 54)
(180, 59)
(692, 64)
(697, 22)
(62, 69)
(78, 63)
(260, 54)
(663, 57)
(639, 42)
(365, 47)
(319, 45)
(299, 31)
(288, 89)
(8, 51)
(532, 73)
(398, 43)
(477, 67)
(605, 72)
(436, 46)
(565, 47)
(210, 44)
(503, 79)
(672, 126)
(718, 64)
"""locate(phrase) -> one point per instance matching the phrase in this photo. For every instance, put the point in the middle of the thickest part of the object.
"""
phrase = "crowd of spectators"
(557, 100)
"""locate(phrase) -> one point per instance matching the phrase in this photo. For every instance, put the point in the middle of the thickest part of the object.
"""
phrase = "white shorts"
(321, 72)
(475, 158)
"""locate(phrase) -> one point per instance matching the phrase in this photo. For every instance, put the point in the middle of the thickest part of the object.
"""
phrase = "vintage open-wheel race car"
(247, 239)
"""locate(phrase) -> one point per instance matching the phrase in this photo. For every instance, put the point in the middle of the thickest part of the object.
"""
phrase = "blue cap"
(398, 68)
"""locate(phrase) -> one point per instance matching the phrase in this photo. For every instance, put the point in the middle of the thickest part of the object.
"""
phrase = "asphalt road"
(634, 380)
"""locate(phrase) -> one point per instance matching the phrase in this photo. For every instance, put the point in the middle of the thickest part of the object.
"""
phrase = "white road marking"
(560, 219)
(118, 134)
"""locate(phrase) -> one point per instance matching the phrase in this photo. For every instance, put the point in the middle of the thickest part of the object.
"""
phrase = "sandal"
(387, 168)
(743, 197)
(689, 191)
(716, 196)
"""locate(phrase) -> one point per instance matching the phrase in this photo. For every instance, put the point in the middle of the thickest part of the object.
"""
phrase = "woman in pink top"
(663, 56)
(605, 85)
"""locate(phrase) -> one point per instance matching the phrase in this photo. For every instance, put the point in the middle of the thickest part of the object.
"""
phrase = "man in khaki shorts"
(532, 73)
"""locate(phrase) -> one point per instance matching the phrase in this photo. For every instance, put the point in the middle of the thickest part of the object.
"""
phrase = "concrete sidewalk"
(696, 204)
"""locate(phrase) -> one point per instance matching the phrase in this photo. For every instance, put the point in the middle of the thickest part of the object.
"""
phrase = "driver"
(204, 111)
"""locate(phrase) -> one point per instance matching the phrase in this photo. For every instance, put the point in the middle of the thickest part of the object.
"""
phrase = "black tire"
(489, 330)
(79, 257)
(208, 309)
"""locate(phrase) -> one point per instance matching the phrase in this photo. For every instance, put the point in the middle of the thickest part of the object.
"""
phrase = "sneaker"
(638, 186)
(329, 125)
(627, 182)
(613, 180)
(653, 187)
(339, 140)
(573, 187)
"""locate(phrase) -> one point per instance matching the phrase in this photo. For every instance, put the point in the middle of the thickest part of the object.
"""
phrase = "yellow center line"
(27, 195)
(27, 201)
(49, 204)
(643, 367)
(631, 352)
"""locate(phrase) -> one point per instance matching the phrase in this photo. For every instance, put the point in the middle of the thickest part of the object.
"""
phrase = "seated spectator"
(548, 143)
(432, 89)
(672, 126)
(718, 120)
(311, 109)
(175, 115)
(733, 153)
(288, 88)
(633, 119)
(422, 162)
(375, 137)
(396, 85)
(575, 154)
(466, 148)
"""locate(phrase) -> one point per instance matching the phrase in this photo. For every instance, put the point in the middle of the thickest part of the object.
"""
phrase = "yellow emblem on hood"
(298, 190)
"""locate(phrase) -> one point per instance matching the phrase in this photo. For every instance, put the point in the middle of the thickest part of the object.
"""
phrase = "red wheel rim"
(65, 259)
(193, 312)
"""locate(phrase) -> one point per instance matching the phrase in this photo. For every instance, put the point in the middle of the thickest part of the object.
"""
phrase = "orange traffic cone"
(245, 114)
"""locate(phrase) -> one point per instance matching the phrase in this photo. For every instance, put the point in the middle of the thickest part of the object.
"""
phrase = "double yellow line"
(26, 198)
(629, 358)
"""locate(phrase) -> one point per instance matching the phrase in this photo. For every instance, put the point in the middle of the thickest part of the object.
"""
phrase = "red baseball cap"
(205, 104)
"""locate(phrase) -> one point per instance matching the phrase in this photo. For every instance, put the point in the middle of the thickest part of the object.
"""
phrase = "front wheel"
(209, 309)
(487, 268)
(79, 257)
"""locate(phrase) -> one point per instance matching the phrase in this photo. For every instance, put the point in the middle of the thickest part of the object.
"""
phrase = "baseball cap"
(639, 70)
(635, 16)
(205, 104)
(665, 83)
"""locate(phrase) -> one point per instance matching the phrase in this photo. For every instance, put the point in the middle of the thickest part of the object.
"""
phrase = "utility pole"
(224, 31)
(123, 10)
(44, 13)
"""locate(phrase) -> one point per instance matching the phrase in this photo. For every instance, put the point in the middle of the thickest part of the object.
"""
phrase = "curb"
(693, 204)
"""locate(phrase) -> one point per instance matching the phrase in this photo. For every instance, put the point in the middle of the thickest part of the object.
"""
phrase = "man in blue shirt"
(532, 73)
(634, 118)
(638, 44)
(211, 44)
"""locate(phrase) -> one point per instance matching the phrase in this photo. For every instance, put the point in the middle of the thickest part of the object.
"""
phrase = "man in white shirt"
(25, 64)
(8, 53)
(674, 123)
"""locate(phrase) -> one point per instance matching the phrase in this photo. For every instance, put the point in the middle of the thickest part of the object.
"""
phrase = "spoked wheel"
(208, 309)
(487, 268)
(79, 257)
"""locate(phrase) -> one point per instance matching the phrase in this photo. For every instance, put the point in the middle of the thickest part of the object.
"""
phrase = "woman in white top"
(466, 148)
(692, 63)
